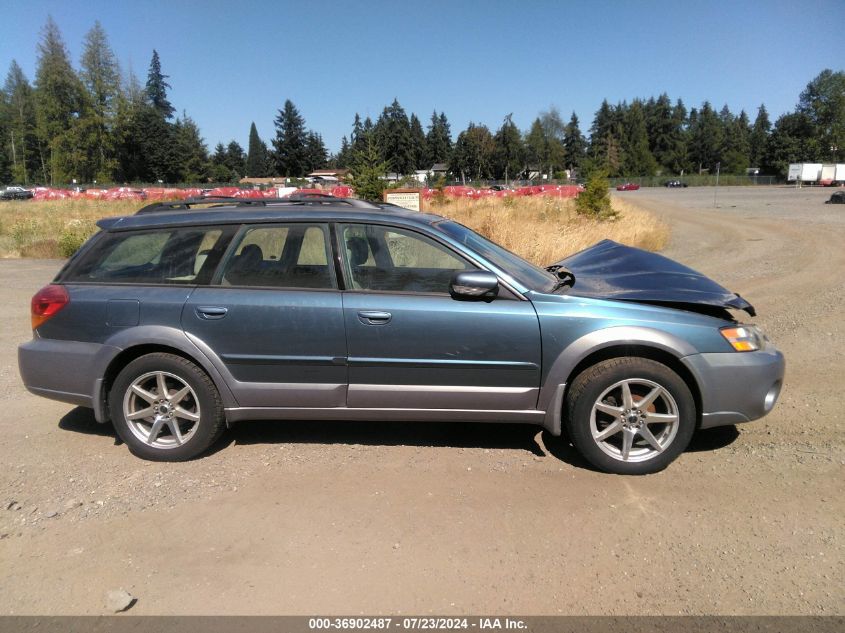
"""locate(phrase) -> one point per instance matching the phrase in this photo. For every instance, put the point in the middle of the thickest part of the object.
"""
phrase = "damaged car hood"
(609, 270)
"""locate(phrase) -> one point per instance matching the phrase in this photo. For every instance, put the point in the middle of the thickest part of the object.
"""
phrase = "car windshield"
(531, 276)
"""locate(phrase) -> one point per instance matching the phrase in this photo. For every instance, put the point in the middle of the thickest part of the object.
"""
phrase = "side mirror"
(474, 285)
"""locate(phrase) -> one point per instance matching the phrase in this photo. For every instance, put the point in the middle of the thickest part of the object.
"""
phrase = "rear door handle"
(211, 313)
(374, 317)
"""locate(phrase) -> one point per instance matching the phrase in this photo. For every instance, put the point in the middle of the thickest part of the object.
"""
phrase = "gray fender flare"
(155, 335)
(552, 391)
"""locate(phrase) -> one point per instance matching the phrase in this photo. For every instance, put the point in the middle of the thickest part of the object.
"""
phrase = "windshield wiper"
(565, 276)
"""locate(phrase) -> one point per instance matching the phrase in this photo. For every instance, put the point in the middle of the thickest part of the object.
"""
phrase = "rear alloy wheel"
(630, 415)
(166, 408)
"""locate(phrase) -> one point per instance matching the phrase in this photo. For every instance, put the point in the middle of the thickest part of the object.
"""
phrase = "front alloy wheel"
(629, 415)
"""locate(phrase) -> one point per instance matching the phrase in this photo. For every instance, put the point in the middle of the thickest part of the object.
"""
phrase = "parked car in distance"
(675, 183)
(179, 320)
(836, 198)
(628, 186)
(15, 193)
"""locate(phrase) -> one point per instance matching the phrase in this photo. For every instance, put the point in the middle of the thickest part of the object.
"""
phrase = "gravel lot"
(351, 517)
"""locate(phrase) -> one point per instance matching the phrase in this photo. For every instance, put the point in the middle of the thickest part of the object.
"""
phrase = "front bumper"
(737, 386)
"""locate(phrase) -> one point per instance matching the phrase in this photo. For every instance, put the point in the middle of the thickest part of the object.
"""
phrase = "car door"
(273, 316)
(412, 346)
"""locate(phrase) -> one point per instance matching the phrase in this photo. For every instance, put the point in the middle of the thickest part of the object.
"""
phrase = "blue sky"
(231, 63)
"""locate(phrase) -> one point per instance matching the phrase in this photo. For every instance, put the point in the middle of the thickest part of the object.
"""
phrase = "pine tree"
(792, 141)
(289, 144)
(392, 136)
(736, 147)
(343, 158)
(19, 133)
(316, 155)
(235, 159)
(418, 144)
(367, 169)
(536, 147)
(192, 152)
(157, 88)
(256, 158)
(58, 103)
(706, 138)
(759, 137)
(509, 153)
(638, 159)
(472, 156)
(574, 144)
(554, 130)
(438, 140)
(101, 77)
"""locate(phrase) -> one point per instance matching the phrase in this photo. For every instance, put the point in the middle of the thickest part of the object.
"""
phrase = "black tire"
(201, 401)
(603, 380)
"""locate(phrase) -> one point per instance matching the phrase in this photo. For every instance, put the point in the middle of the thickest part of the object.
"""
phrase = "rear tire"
(630, 415)
(166, 408)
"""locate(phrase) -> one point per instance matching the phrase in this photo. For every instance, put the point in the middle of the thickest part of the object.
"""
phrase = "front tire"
(166, 408)
(630, 415)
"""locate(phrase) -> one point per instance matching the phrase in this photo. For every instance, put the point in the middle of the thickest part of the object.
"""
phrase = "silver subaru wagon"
(187, 317)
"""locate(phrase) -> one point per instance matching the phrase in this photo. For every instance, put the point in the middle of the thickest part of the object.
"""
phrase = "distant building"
(329, 175)
(272, 181)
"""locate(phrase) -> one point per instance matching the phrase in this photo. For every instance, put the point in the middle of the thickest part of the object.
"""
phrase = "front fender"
(551, 393)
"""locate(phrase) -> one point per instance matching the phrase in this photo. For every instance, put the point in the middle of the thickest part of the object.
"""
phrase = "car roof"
(270, 210)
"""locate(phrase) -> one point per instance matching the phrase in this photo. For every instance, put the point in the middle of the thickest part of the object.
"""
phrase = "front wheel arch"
(639, 351)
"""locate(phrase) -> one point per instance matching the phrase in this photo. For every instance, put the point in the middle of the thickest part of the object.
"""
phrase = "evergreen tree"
(438, 139)
(367, 169)
(554, 130)
(344, 157)
(58, 105)
(418, 146)
(676, 158)
(192, 152)
(235, 159)
(357, 140)
(472, 156)
(536, 147)
(737, 147)
(759, 137)
(101, 77)
(290, 142)
(638, 159)
(256, 159)
(509, 153)
(157, 88)
(575, 145)
(220, 171)
(159, 150)
(315, 151)
(706, 138)
(130, 104)
(20, 127)
(393, 138)
(663, 131)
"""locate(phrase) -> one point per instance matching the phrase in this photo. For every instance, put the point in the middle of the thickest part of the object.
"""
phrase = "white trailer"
(794, 172)
(839, 176)
(810, 172)
(827, 174)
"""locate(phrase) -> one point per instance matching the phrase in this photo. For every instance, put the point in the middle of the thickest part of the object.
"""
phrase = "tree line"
(96, 124)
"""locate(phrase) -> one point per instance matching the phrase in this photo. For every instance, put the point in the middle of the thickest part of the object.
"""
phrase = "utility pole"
(716, 190)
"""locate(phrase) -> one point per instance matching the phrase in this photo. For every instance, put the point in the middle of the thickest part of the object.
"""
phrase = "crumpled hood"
(609, 270)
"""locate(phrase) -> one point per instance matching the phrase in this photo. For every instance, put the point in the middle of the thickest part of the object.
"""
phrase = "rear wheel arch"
(129, 354)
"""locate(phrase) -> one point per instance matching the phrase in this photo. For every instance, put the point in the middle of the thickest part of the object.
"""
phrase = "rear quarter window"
(165, 256)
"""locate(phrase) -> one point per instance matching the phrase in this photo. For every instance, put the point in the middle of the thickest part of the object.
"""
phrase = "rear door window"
(165, 256)
(280, 256)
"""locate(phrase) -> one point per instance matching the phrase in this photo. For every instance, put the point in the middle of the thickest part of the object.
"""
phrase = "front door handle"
(211, 313)
(374, 317)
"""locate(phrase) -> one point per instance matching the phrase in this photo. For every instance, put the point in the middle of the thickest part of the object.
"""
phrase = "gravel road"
(328, 518)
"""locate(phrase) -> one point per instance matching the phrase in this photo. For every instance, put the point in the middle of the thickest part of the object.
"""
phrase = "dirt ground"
(348, 518)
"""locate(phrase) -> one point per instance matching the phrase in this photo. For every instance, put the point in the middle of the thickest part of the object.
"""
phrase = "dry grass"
(545, 230)
(542, 230)
(55, 228)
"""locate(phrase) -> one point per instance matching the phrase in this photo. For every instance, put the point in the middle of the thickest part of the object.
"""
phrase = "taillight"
(47, 302)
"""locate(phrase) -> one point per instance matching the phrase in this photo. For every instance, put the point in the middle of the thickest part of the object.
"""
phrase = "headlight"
(744, 338)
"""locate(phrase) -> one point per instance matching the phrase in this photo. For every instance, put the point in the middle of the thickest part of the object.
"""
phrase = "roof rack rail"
(305, 198)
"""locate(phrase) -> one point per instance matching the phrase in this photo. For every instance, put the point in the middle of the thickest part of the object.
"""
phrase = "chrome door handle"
(374, 317)
(211, 312)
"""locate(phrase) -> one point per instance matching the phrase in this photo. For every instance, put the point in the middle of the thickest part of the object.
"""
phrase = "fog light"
(771, 396)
